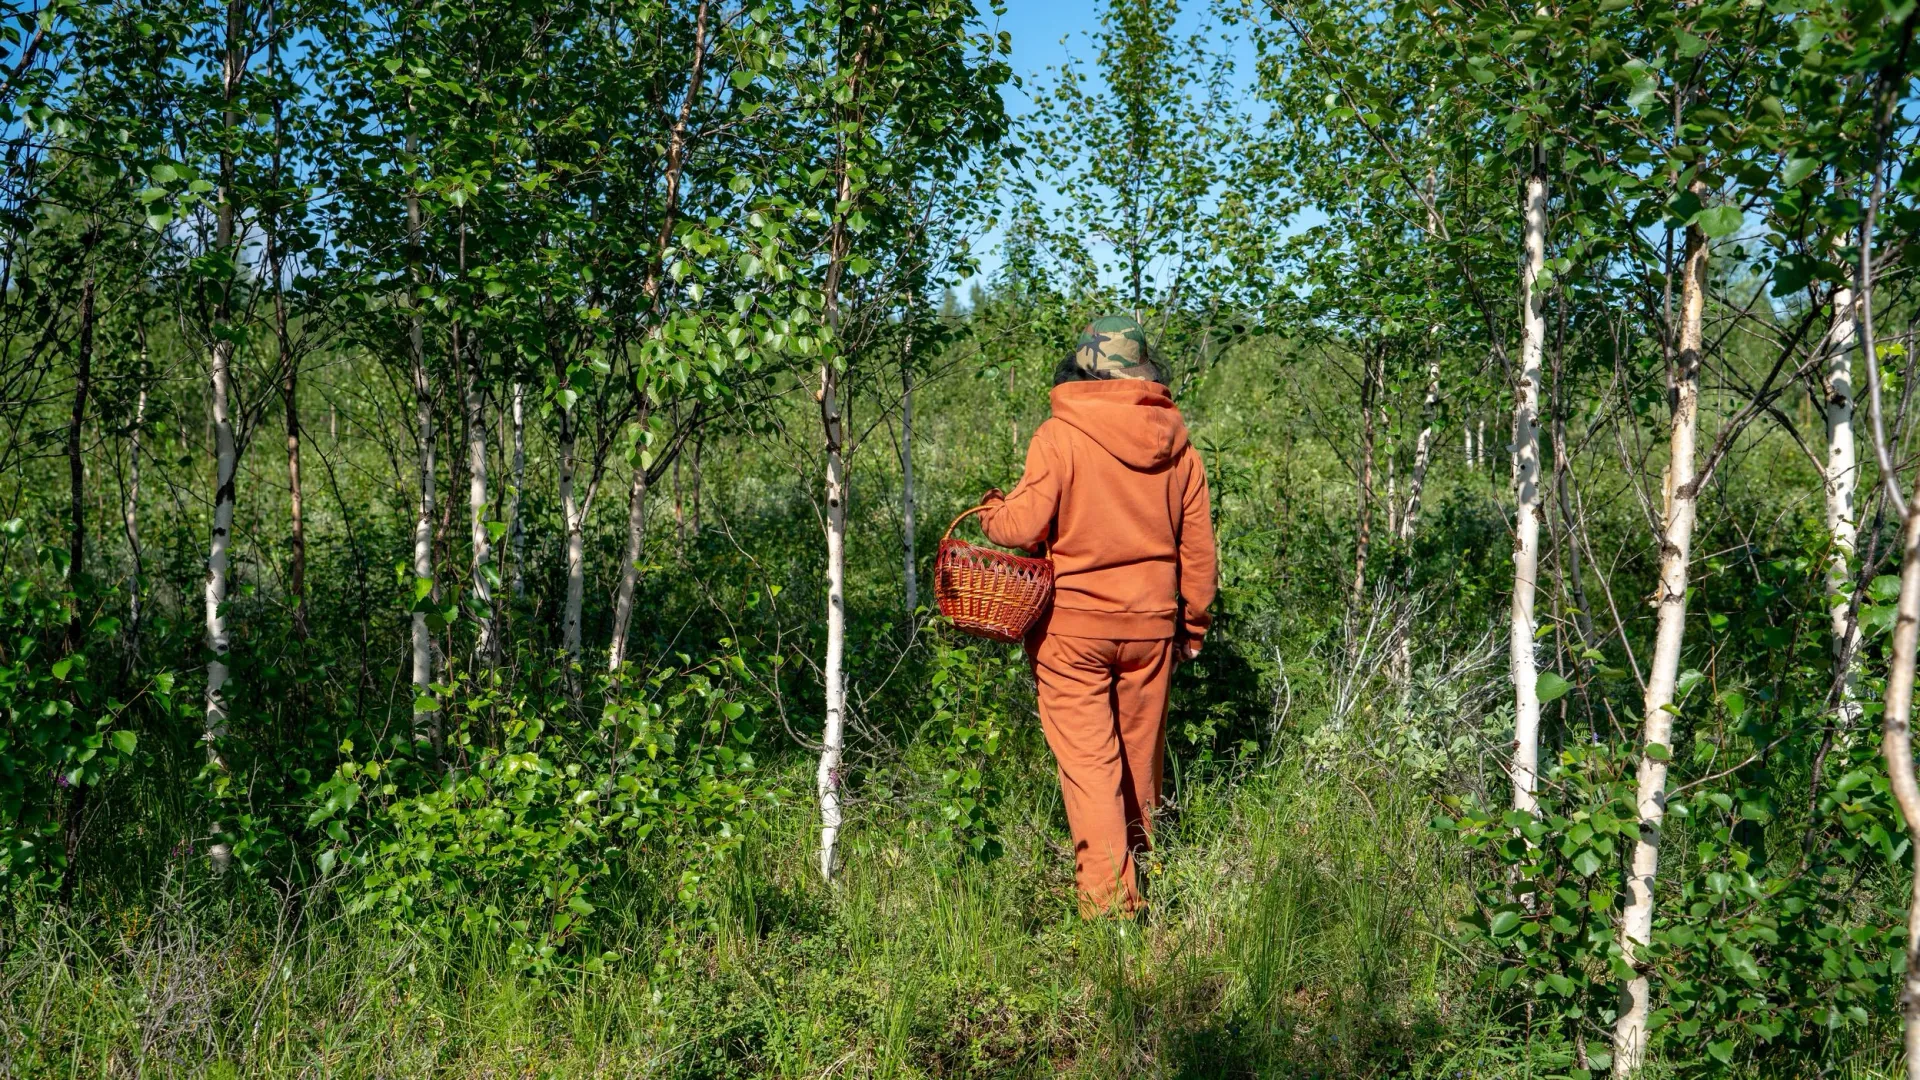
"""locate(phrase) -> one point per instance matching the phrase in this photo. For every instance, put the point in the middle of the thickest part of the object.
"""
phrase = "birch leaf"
(1717, 221)
(1689, 679)
(1550, 686)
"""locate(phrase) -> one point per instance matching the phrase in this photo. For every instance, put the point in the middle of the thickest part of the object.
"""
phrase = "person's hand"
(993, 496)
(1189, 650)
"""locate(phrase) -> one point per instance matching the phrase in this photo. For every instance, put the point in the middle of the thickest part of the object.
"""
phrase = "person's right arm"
(1024, 519)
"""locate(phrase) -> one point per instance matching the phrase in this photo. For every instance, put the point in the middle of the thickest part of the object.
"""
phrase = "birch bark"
(514, 525)
(827, 778)
(484, 645)
(424, 714)
(1422, 454)
(1842, 480)
(629, 566)
(576, 536)
(1636, 925)
(1526, 497)
(225, 451)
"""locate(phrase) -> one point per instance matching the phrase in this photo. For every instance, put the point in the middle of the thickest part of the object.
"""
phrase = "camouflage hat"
(1111, 347)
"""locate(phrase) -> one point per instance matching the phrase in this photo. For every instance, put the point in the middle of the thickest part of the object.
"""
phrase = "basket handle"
(965, 514)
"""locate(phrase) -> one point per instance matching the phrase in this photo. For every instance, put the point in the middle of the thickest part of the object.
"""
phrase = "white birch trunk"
(483, 647)
(1636, 924)
(1422, 454)
(422, 640)
(424, 712)
(1392, 501)
(827, 778)
(514, 526)
(1526, 499)
(1842, 479)
(218, 640)
(629, 567)
(576, 540)
(909, 563)
(225, 451)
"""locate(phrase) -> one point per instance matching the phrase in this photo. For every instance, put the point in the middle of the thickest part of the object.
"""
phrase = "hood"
(1132, 419)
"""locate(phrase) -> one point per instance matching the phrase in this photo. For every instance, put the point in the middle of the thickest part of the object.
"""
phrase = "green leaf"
(1586, 862)
(1719, 221)
(124, 741)
(1797, 169)
(1684, 207)
(1642, 94)
(1742, 962)
(1550, 686)
(1791, 272)
(1689, 679)
(1504, 923)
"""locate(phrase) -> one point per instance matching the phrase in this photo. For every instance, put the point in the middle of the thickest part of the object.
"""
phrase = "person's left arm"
(1199, 560)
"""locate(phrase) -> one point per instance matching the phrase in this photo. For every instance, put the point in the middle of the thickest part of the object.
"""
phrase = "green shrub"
(520, 833)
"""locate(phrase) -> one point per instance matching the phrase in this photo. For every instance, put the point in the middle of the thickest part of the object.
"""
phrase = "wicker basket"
(987, 592)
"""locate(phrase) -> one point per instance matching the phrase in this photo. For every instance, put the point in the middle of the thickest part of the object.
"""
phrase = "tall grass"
(1298, 927)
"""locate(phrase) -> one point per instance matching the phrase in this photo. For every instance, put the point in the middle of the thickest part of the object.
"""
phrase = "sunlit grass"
(1294, 931)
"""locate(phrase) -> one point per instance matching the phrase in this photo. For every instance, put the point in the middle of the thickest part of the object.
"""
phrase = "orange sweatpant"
(1104, 707)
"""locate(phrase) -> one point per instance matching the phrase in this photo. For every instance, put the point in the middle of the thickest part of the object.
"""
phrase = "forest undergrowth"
(1295, 930)
(471, 476)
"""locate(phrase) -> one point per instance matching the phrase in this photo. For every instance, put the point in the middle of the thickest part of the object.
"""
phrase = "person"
(1117, 494)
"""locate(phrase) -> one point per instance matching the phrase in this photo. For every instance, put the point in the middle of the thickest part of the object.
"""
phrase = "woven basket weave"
(987, 592)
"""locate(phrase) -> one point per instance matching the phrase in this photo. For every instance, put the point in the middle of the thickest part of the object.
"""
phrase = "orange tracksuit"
(1120, 498)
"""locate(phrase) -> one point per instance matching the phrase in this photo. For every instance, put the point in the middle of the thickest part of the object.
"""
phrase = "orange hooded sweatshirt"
(1121, 500)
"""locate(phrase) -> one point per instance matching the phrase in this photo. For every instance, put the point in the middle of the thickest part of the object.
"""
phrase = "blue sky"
(1037, 28)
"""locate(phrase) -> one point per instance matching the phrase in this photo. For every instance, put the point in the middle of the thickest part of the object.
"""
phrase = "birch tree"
(1841, 480)
(425, 709)
(1526, 490)
(220, 379)
(901, 94)
(851, 58)
(1681, 495)
(672, 175)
